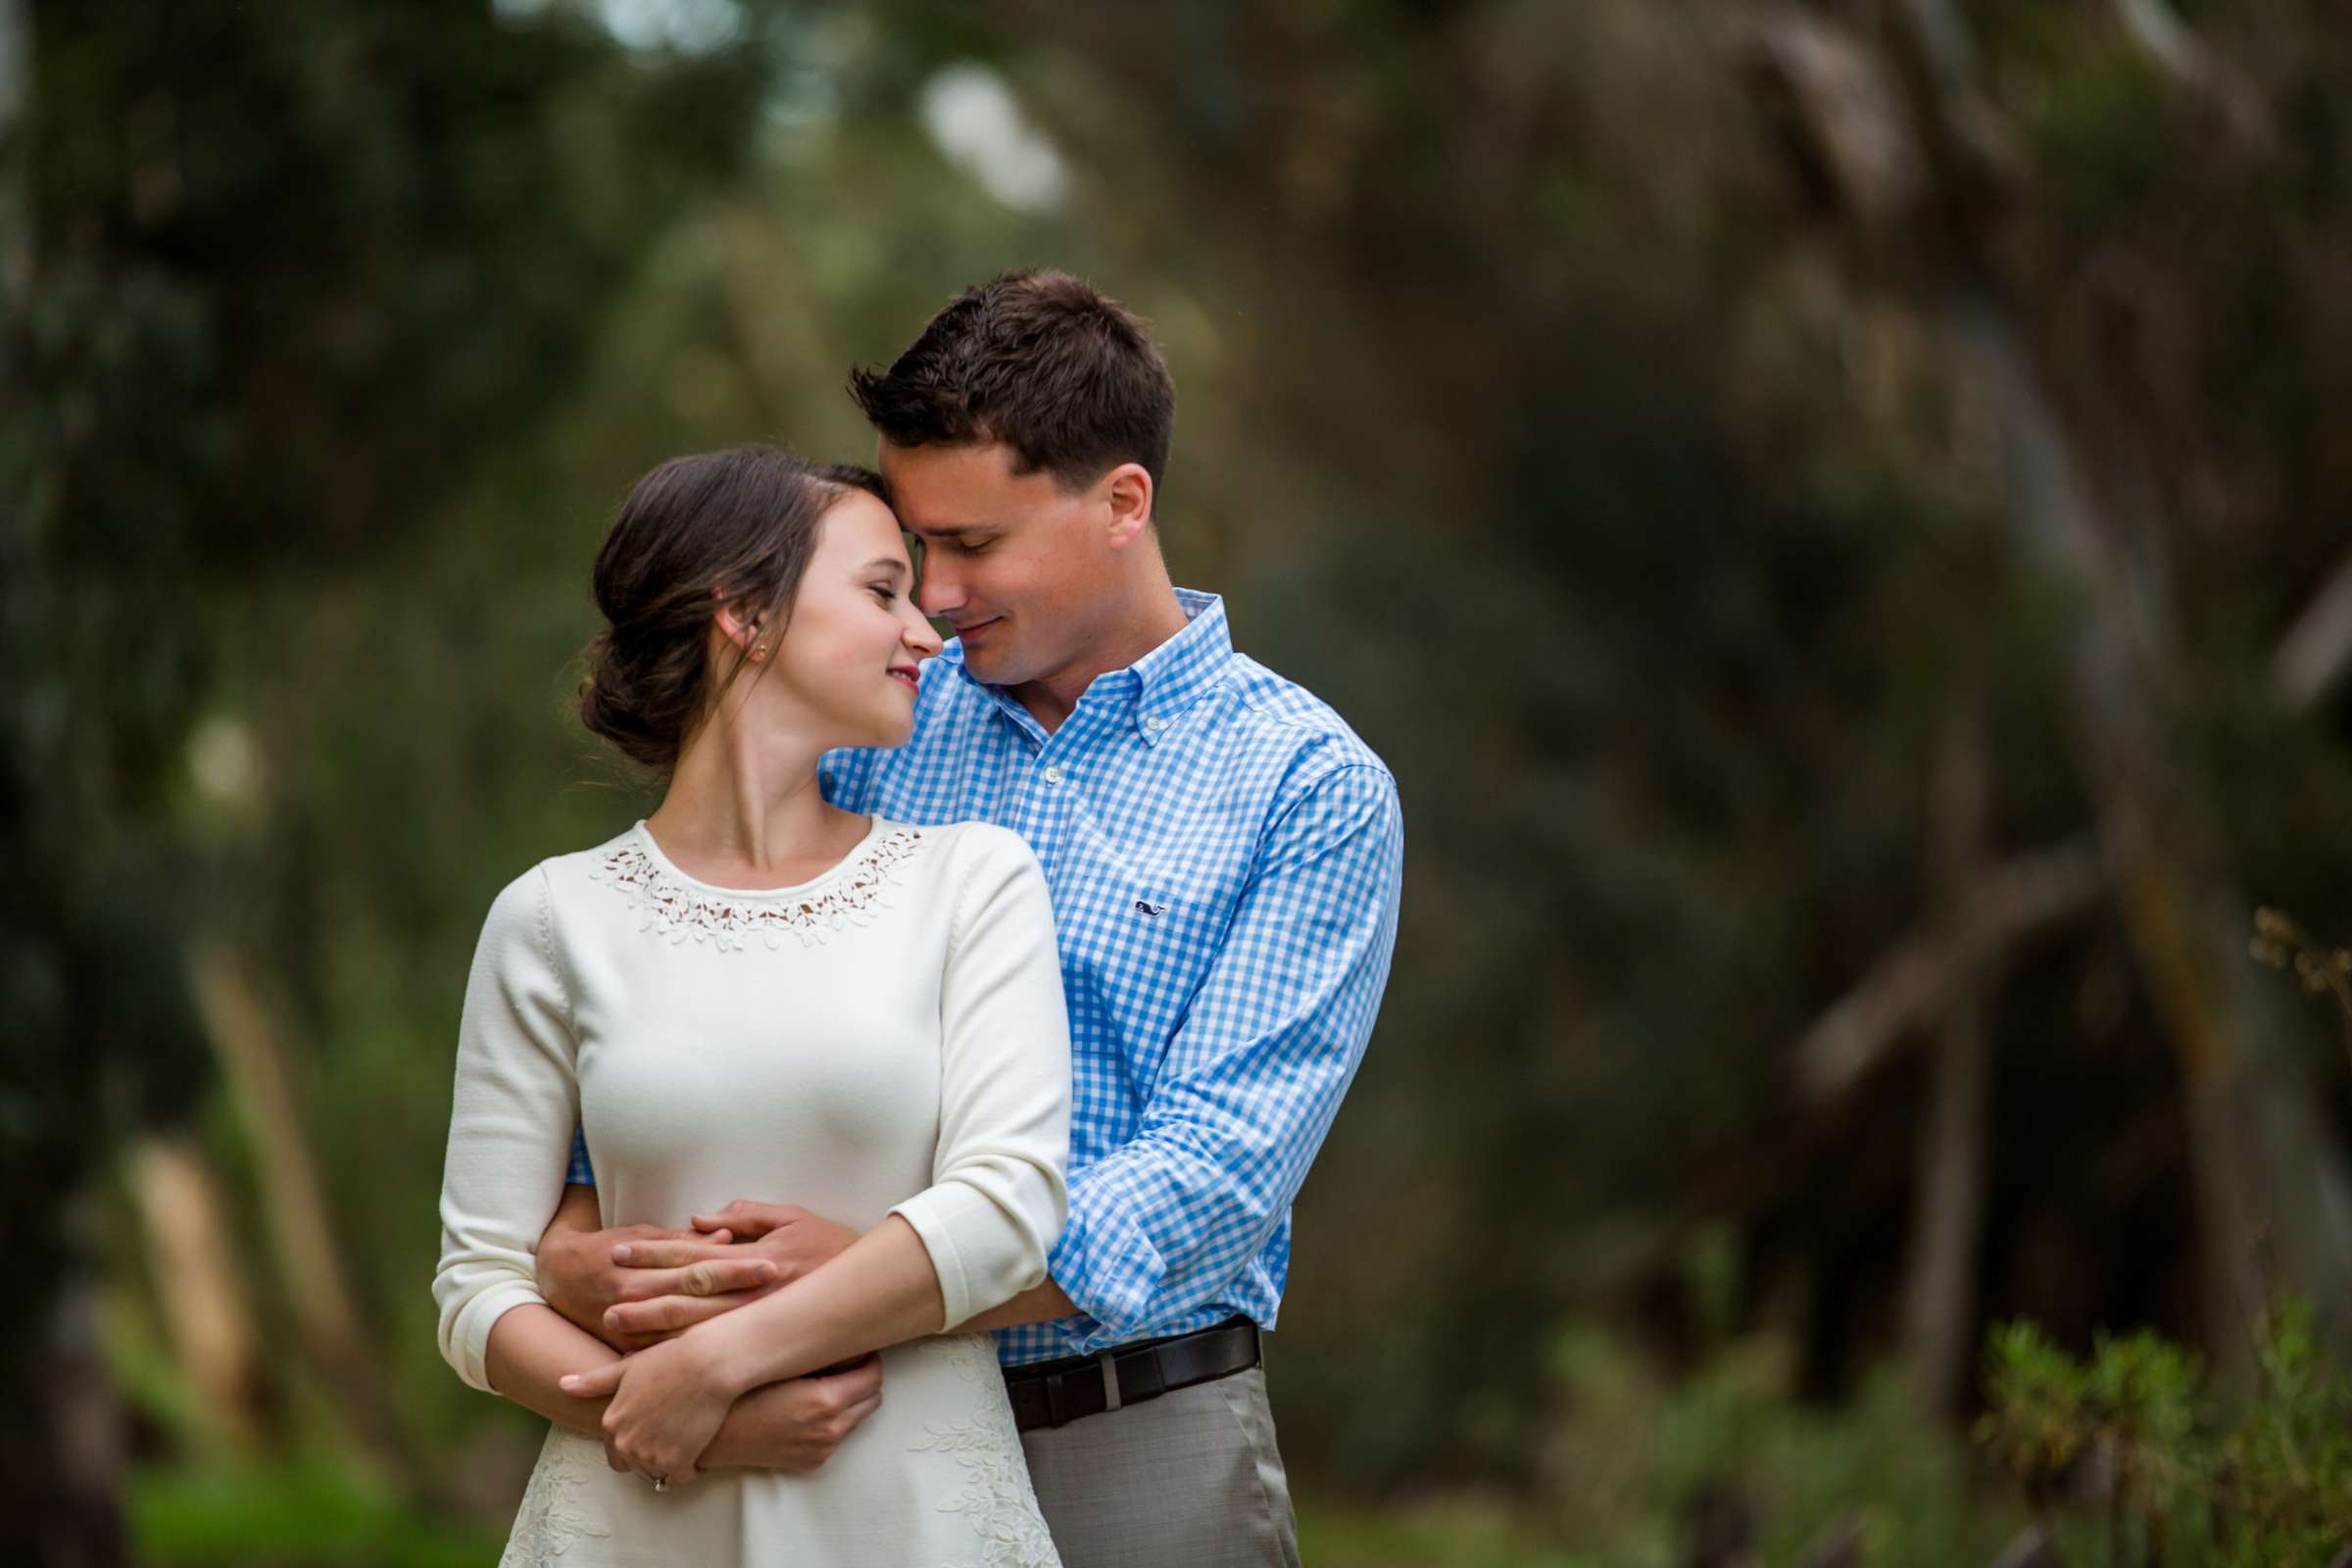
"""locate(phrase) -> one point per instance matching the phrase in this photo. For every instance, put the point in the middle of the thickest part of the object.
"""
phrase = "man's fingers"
(749, 1219)
(863, 1380)
(593, 1384)
(719, 1276)
(672, 1253)
(667, 1315)
(853, 1416)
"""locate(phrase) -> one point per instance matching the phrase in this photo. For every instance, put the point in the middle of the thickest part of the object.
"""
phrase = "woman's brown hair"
(716, 529)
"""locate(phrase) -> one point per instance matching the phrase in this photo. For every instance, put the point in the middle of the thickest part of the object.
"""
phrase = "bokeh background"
(1835, 512)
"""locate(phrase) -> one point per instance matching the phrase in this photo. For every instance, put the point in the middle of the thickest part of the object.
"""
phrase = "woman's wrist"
(735, 1355)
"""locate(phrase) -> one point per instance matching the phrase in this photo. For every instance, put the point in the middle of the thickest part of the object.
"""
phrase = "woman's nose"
(920, 639)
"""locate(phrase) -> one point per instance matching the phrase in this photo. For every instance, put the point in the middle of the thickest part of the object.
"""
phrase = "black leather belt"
(1053, 1393)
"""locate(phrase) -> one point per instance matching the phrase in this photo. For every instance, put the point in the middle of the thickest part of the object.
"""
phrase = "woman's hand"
(667, 1404)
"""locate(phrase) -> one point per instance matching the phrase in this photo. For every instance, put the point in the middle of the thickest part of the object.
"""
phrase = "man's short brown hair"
(1061, 373)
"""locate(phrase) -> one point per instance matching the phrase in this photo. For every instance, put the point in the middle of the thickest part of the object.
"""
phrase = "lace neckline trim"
(672, 904)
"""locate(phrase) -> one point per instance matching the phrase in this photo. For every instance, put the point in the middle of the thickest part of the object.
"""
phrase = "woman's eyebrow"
(889, 563)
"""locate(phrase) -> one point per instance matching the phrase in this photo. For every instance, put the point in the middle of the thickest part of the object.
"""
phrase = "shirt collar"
(1156, 688)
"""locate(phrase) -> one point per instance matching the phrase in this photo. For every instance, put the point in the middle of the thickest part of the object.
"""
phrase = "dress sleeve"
(509, 1125)
(997, 1196)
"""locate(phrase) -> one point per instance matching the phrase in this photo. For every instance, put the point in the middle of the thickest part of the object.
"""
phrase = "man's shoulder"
(1292, 723)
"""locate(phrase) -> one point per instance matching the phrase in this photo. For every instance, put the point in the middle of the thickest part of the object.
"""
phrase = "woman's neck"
(744, 810)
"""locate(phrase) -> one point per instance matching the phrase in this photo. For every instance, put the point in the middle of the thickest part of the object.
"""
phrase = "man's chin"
(989, 666)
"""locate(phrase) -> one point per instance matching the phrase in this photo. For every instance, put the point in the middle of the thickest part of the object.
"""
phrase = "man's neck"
(1051, 698)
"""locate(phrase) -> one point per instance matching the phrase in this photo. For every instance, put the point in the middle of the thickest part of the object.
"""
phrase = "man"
(1224, 856)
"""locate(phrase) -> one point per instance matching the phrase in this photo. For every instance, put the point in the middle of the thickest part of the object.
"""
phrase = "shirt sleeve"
(998, 1194)
(1159, 1226)
(514, 1105)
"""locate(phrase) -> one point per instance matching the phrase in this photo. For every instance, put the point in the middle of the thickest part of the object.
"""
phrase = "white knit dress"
(889, 1037)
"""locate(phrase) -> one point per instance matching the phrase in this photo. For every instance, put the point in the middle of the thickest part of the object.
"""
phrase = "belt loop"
(1058, 1412)
(1111, 1382)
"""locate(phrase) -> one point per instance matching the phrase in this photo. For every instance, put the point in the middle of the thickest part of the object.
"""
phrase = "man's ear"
(1127, 491)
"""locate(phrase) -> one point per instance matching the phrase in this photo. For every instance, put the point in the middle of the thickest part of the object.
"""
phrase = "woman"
(751, 991)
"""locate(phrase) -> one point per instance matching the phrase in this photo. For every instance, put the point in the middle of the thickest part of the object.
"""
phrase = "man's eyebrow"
(953, 530)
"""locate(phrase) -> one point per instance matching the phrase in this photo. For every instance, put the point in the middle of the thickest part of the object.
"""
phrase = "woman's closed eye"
(887, 594)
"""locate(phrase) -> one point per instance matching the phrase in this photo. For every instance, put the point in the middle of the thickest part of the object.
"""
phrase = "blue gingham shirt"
(1224, 856)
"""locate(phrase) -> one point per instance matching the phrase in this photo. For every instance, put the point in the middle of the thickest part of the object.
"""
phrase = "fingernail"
(620, 1253)
(569, 1381)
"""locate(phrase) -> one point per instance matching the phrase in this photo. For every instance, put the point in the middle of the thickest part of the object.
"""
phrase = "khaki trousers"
(1189, 1480)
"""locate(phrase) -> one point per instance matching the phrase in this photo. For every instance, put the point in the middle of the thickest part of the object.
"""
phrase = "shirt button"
(1053, 773)
(1153, 722)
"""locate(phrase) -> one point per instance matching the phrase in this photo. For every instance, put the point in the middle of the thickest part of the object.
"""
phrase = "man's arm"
(1042, 1305)
(1159, 1226)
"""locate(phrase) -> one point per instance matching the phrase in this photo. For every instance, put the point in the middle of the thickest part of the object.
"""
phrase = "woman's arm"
(509, 1124)
(531, 1349)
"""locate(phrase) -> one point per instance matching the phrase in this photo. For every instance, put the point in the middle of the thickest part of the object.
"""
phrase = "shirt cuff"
(1109, 1268)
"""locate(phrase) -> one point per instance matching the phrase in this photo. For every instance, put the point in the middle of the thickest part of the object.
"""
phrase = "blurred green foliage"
(2131, 1432)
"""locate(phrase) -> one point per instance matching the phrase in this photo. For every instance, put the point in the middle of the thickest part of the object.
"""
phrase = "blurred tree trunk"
(307, 1248)
(61, 1449)
(194, 1256)
(61, 1452)
(1947, 1207)
(1921, 170)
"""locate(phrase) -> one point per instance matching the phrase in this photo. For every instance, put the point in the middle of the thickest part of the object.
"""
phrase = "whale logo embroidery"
(1145, 908)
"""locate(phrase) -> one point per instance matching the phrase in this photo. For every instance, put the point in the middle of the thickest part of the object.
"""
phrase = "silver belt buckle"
(1111, 1382)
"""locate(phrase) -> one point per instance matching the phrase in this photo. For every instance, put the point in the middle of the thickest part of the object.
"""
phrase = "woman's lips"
(908, 678)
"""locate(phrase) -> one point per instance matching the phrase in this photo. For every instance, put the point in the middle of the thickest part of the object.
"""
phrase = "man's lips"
(977, 627)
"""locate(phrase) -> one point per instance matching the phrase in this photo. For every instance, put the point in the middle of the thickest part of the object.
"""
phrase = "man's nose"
(938, 592)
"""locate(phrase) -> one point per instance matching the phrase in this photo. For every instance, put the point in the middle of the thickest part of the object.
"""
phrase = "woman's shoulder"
(971, 847)
(561, 879)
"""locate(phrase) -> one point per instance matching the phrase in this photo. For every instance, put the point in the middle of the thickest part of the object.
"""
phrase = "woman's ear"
(746, 630)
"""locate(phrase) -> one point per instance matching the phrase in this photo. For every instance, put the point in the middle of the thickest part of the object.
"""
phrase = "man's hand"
(797, 1424)
(654, 1304)
(580, 1276)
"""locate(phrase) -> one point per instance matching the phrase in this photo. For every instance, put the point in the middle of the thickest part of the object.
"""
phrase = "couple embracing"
(883, 1152)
